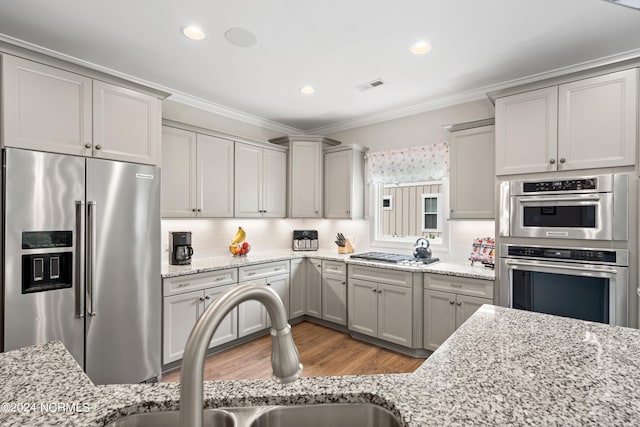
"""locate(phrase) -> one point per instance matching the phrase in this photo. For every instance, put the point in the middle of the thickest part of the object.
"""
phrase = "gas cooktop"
(394, 258)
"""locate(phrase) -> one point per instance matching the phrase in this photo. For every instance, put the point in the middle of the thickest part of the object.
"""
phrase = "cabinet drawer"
(336, 268)
(263, 270)
(194, 282)
(459, 285)
(381, 275)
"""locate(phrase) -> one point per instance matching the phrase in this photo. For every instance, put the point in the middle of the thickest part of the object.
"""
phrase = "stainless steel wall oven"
(587, 284)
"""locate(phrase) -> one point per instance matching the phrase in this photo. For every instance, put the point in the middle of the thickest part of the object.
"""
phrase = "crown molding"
(475, 94)
(212, 107)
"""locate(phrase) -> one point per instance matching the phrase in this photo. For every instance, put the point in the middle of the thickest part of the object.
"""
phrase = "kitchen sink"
(331, 414)
(348, 414)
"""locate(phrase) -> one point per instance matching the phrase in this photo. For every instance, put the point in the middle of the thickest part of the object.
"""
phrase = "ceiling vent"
(370, 85)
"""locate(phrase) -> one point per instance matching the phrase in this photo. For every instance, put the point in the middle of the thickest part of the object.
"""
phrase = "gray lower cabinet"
(334, 292)
(185, 299)
(252, 316)
(297, 288)
(448, 302)
(381, 304)
(314, 287)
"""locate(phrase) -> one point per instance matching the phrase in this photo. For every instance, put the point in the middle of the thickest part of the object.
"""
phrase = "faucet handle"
(285, 360)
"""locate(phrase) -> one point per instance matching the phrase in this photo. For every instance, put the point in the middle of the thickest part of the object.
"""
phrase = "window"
(431, 212)
(405, 212)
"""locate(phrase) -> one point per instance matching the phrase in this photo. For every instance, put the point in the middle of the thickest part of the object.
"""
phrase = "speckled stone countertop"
(501, 367)
(461, 269)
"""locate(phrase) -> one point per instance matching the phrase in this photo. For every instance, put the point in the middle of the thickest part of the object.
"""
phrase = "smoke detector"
(370, 85)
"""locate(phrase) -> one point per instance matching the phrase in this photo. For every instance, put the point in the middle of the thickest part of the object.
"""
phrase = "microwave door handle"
(593, 271)
(560, 199)
(79, 257)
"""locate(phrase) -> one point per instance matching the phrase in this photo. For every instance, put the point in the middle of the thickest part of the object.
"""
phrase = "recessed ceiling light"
(420, 47)
(193, 32)
(307, 90)
(240, 37)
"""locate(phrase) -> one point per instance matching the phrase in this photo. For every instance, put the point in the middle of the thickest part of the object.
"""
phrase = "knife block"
(346, 249)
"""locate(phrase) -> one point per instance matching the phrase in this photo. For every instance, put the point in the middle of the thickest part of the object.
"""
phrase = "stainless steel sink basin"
(348, 414)
(333, 414)
(210, 418)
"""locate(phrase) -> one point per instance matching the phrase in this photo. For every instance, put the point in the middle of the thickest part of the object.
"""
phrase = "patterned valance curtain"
(424, 163)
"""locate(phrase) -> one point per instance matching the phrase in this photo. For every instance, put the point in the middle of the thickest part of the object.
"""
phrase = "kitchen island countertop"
(461, 269)
(501, 367)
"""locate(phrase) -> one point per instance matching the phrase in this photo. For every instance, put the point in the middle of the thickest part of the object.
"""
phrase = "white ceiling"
(333, 45)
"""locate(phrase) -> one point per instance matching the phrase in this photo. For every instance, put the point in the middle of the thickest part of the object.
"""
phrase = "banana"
(239, 237)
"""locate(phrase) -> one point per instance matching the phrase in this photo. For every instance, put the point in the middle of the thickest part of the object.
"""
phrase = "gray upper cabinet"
(305, 173)
(197, 175)
(260, 182)
(471, 194)
(344, 182)
(46, 108)
(588, 123)
(50, 109)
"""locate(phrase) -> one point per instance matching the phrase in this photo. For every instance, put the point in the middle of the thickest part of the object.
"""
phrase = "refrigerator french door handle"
(79, 257)
(91, 255)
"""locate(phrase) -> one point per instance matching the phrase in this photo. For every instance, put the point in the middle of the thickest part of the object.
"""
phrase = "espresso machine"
(180, 250)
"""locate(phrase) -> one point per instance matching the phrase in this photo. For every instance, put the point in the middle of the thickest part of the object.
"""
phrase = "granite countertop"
(455, 268)
(501, 367)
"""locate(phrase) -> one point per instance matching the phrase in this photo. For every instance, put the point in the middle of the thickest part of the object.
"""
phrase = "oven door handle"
(583, 270)
(560, 199)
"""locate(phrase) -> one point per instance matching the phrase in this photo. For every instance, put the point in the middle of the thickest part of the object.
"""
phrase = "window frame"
(438, 213)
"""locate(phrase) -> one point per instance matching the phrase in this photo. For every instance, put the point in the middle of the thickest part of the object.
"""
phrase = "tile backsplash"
(211, 237)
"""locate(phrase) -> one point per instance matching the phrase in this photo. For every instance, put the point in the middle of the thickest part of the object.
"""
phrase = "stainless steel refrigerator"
(81, 261)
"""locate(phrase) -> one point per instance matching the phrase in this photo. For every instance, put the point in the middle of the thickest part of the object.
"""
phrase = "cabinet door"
(363, 307)
(126, 124)
(178, 173)
(527, 132)
(297, 288)
(334, 299)
(180, 314)
(280, 284)
(274, 189)
(252, 316)
(439, 317)
(248, 180)
(45, 108)
(395, 314)
(305, 179)
(214, 177)
(466, 306)
(338, 177)
(471, 194)
(314, 287)
(597, 121)
(227, 329)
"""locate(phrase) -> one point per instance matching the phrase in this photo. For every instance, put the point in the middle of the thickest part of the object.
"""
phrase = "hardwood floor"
(323, 352)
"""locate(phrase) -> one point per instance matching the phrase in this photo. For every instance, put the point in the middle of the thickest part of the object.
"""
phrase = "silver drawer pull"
(182, 285)
(219, 278)
(455, 285)
(251, 273)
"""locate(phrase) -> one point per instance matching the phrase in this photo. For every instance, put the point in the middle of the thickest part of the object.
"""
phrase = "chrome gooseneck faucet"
(285, 361)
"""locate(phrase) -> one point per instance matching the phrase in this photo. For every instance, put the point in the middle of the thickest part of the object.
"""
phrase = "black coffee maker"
(180, 250)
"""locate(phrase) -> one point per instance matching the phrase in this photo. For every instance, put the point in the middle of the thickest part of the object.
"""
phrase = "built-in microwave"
(589, 208)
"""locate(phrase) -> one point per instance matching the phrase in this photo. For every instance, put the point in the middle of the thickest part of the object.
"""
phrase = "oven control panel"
(560, 185)
(591, 255)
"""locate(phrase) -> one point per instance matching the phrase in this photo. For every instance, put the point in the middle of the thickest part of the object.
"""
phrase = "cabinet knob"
(458, 303)
(562, 160)
(268, 284)
(207, 297)
(379, 291)
(199, 210)
(374, 290)
(348, 212)
(552, 161)
(98, 147)
(451, 302)
(200, 299)
(316, 212)
(344, 283)
(193, 210)
(87, 145)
